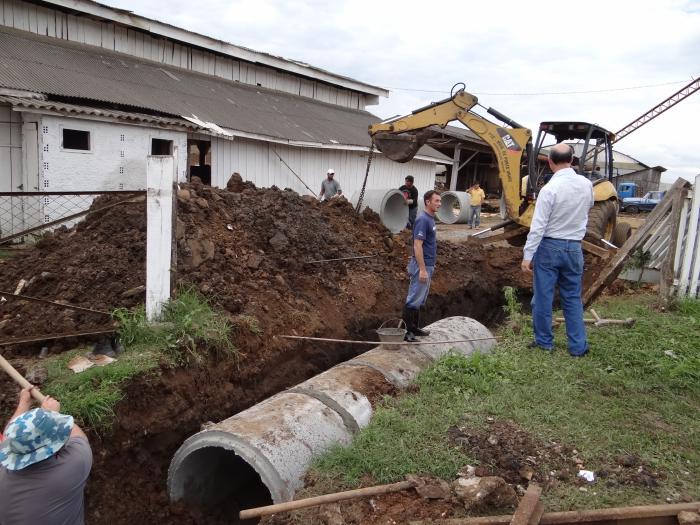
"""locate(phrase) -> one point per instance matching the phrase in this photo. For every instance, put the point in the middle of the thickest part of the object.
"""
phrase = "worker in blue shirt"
(553, 251)
(421, 265)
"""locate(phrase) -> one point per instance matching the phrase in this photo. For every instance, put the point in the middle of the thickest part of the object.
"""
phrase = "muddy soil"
(501, 448)
(248, 251)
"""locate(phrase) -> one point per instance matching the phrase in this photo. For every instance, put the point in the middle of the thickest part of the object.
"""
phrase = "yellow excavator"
(521, 164)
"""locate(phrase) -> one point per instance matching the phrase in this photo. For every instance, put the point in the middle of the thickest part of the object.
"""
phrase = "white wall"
(257, 162)
(116, 160)
(49, 22)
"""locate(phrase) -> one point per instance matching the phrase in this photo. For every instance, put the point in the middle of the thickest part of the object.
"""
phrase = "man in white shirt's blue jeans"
(553, 251)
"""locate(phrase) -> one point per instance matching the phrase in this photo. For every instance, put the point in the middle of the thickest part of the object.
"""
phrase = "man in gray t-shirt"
(45, 460)
(329, 187)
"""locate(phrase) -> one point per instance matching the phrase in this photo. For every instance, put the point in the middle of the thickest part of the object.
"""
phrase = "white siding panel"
(107, 34)
(93, 33)
(256, 161)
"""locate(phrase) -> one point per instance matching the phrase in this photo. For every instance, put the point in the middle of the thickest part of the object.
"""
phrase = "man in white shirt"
(553, 251)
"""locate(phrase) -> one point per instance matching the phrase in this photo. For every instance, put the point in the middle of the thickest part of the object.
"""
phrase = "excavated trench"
(133, 462)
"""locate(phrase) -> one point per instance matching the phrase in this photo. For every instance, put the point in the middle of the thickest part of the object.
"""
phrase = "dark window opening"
(199, 160)
(161, 147)
(76, 139)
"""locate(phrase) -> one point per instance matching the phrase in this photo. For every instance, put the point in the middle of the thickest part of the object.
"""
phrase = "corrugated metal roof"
(50, 66)
(75, 109)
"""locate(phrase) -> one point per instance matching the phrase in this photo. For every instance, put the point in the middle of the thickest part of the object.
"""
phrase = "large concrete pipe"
(390, 205)
(455, 207)
(261, 455)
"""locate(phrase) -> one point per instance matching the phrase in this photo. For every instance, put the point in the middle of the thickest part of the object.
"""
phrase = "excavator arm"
(401, 138)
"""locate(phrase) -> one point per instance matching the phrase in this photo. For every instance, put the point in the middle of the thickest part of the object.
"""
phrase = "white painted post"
(690, 264)
(160, 175)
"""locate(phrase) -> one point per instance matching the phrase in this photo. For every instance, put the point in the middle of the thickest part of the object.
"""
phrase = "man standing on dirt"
(477, 197)
(421, 265)
(410, 193)
(553, 251)
(45, 460)
(329, 187)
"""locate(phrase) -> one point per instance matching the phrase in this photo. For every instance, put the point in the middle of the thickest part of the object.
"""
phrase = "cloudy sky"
(529, 60)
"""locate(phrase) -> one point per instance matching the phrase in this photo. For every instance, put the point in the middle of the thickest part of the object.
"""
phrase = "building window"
(161, 147)
(76, 139)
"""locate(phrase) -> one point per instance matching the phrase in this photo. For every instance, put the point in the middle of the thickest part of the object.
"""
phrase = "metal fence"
(24, 214)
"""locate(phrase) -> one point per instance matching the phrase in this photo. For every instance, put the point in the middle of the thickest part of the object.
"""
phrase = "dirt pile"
(250, 251)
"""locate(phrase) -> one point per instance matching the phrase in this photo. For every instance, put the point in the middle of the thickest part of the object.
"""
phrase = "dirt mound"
(252, 252)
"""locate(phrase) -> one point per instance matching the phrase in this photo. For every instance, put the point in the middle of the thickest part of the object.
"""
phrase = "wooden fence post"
(160, 175)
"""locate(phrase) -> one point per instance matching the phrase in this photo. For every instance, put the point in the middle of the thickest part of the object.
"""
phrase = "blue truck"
(646, 203)
(626, 190)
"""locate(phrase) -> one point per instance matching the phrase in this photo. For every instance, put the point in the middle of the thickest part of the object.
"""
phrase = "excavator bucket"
(404, 146)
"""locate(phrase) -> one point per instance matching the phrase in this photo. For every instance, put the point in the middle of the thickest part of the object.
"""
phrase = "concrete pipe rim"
(230, 443)
(450, 201)
(394, 211)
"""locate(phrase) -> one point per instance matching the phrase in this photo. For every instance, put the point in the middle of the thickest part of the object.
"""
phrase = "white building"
(87, 92)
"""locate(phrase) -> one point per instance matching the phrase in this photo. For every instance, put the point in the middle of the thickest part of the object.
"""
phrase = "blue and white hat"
(34, 436)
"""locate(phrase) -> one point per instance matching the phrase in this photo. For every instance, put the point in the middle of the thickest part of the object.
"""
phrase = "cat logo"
(510, 143)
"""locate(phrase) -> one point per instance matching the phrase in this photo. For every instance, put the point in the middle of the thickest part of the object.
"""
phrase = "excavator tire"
(621, 233)
(601, 221)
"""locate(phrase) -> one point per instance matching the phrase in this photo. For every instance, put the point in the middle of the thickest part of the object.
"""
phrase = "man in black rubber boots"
(421, 265)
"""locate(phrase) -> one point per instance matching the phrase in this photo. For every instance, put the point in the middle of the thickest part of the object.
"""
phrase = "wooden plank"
(527, 506)
(667, 270)
(580, 516)
(616, 264)
(327, 498)
(681, 237)
(503, 236)
(595, 250)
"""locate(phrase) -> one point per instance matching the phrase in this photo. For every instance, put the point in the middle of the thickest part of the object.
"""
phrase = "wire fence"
(27, 214)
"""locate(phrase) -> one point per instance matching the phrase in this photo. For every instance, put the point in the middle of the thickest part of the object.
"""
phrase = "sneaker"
(534, 345)
(582, 354)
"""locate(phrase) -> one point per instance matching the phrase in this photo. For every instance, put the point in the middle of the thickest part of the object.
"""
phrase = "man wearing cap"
(410, 193)
(45, 460)
(329, 187)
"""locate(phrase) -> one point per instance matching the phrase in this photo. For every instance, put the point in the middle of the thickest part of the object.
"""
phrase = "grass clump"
(637, 392)
(189, 327)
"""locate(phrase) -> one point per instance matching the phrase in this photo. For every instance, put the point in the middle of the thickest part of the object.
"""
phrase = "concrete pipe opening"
(262, 454)
(390, 205)
(454, 208)
(219, 482)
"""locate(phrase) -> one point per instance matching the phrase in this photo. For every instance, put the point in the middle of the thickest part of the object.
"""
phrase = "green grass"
(189, 329)
(6, 254)
(627, 397)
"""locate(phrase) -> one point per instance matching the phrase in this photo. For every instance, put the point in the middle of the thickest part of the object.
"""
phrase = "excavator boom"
(401, 138)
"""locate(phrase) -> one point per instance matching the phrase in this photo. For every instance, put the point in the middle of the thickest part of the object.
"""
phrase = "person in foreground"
(553, 251)
(421, 265)
(45, 460)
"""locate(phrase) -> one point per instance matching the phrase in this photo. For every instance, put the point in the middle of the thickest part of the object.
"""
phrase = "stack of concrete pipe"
(262, 454)
(454, 201)
(389, 204)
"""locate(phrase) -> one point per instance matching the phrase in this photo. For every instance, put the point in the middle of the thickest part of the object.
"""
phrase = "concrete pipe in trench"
(261, 455)
(455, 207)
(389, 204)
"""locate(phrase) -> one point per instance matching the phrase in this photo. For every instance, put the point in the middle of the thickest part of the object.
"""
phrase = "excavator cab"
(593, 158)
(592, 146)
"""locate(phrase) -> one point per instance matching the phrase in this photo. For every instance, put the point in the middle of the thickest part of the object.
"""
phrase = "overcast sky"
(505, 51)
